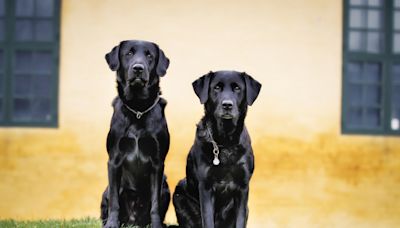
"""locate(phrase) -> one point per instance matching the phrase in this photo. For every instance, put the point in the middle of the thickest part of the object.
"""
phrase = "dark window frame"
(10, 46)
(386, 58)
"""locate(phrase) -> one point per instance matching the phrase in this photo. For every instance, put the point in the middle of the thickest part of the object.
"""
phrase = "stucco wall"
(307, 174)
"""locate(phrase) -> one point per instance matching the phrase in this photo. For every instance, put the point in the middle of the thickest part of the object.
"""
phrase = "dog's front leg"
(242, 210)
(155, 182)
(206, 206)
(114, 180)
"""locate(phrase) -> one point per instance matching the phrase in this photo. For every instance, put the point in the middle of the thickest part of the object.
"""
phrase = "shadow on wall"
(328, 181)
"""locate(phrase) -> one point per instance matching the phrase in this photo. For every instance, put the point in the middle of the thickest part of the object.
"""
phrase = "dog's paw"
(157, 225)
(112, 223)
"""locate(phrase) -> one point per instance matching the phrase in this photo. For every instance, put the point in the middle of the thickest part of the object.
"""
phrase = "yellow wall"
(307, 174)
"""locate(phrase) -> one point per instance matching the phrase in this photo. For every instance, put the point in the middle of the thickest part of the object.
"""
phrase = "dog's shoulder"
(245, 138)
(118, 115)
(163, 103)
(116, 102)
(201, 131)
(117, 106)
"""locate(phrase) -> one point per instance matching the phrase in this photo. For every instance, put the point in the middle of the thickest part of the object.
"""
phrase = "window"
(371, 67)
(29, 48)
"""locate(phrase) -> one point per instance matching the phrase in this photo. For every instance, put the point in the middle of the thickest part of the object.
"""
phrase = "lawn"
(86, 222)
(76, 223)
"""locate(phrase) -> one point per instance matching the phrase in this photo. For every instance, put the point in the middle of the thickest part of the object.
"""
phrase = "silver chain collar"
(139, 114)
(216, 160)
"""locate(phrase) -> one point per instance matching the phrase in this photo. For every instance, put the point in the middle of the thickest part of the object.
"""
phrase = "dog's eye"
(217, 88)
(129, 53)
(148, 54)
(236, 88)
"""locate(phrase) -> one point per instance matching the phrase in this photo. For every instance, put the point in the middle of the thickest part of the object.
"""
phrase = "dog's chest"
(230, 174)
(139, 147)
(226, 178)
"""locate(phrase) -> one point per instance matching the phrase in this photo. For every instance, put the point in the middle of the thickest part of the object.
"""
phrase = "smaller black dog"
(221, 162)
(138, 140)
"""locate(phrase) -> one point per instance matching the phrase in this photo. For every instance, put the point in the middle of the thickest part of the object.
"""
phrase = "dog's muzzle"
(137, 75)
(227, 106)
(138, 69)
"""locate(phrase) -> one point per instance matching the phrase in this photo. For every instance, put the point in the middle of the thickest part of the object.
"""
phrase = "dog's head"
(139, 64)
(226, 94)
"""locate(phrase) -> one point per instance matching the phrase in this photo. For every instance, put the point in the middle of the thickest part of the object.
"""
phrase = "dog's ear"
(162, 62)
(252, 88)
(112, 58)
(201, 86)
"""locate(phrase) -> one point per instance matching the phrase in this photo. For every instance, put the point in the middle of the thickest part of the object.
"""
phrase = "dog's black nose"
(138, 68)
(227, 104)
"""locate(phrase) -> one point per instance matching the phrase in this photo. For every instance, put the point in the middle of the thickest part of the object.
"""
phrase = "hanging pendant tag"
(139, 115)
(216, 161)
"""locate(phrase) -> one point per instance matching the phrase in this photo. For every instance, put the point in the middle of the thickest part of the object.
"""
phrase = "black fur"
(216, 195)
(137, 193)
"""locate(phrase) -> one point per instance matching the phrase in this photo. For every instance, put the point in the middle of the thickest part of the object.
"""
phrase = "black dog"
(220, 163)
(138, 140)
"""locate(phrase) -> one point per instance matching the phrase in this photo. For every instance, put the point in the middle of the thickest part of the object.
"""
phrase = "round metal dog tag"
(216, 161)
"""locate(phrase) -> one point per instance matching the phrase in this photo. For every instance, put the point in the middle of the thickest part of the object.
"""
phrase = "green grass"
(76, 223)
(86, 222)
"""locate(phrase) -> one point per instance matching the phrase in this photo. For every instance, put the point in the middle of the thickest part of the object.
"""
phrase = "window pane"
(21, 109)
(1, 85)
(44, 30)
(396, 20)
(395, 121)
(2, 8)
(23, 61)
(43, 62)
(355, 94)
(372, 72)
(40, 62)
(372, 95)
(372, 118)
(42, 86)
(44, 8)
(354, 116)
(374, 42)
(396, 73)
(23, 30)
(396, 113)
(2, 30)
(357, 18)
(374, 2)
(397, 3)
(1, 75)
(354, 72)
(24, 8)
(1, 61)
(374, 19)
(358, 2)
(396, 42)
(396, 96)
(41, 110)
(1, 109)
(355, 40)
(22, 85)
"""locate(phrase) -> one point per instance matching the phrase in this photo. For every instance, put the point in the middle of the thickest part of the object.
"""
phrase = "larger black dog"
(220, 163)
(138, 140)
